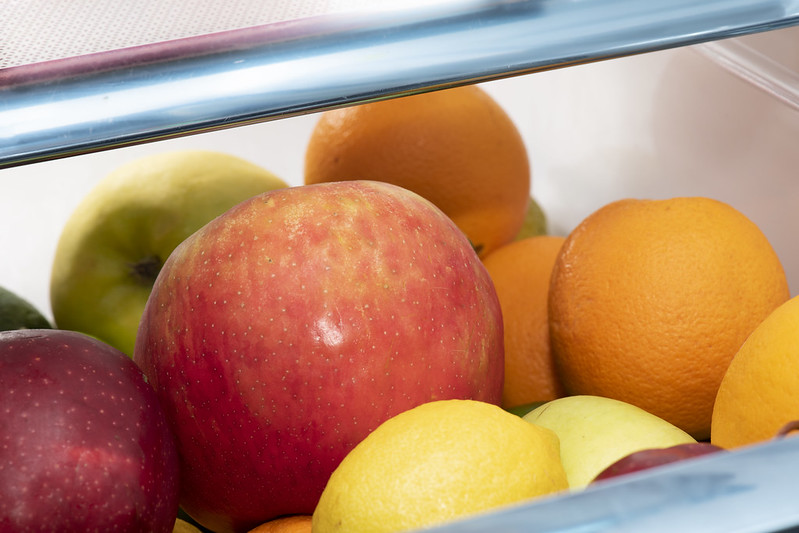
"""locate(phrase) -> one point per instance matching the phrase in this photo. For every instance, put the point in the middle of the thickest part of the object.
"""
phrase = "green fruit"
(18, 313)
(521, 410)
(535, 222)
(114, 244)
(595, 432)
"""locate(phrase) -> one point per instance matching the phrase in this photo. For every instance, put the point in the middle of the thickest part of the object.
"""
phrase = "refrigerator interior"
(667, 123)
(717, 119)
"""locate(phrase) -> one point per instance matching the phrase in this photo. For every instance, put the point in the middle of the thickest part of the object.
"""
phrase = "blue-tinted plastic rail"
(748, 490)
(284, 69)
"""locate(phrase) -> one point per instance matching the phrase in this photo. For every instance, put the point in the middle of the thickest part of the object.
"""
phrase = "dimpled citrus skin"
(521, 271)
(651, 299)
(437, 462)
(457, 147)
(757, 396)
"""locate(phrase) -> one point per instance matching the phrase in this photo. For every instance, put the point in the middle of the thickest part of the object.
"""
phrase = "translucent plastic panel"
(220, 65)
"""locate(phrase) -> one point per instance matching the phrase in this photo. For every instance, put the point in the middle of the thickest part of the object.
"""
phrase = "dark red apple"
(84, 443)
(650, 458)
(283, 332)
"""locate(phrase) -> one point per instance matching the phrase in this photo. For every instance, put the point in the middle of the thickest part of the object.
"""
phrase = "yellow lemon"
(757, 396)
(438, 462)
(285, 524)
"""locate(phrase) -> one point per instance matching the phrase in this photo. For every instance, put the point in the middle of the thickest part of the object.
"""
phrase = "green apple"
(18, 313)
(114, 244)
(535, 221)
(595, 432)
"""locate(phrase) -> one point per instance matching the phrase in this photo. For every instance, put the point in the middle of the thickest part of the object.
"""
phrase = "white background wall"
(670, 123)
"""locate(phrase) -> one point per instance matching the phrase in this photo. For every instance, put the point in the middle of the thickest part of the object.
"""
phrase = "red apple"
(284, 331)
(84, 443)
(650, 458)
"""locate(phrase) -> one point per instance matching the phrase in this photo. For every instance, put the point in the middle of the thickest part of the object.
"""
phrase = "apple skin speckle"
(84, 443)
(283, 332)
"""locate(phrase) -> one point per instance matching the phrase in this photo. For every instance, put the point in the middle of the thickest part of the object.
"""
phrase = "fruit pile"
(394, 344)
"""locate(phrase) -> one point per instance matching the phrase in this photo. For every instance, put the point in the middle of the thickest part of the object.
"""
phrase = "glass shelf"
(92, 101)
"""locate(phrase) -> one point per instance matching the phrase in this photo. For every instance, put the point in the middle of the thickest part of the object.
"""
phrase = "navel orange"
(521, 271)
(651, 299)
(456, 147)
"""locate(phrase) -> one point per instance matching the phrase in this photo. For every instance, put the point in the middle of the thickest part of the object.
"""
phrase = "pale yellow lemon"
(758, 392)
(438, 462)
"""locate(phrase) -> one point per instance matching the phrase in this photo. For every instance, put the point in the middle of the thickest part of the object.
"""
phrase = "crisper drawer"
(643, 102)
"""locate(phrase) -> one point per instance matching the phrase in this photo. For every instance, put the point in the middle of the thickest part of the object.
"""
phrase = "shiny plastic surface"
(260, 73)
(752, 490)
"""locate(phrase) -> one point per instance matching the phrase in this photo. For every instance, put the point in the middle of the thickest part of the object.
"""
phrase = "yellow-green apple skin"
(595, 432)
(115, 242)
(535, 222)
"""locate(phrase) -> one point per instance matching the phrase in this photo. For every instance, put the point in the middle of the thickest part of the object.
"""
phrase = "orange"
(520, 272)
(456, 147)
(757, 396)
(651, 299)
(286, 524)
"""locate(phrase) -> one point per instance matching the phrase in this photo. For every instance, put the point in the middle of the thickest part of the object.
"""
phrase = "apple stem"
(146, 270)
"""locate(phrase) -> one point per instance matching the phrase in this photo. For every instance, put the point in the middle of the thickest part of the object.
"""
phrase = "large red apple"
(84, 443)
(284, 331)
